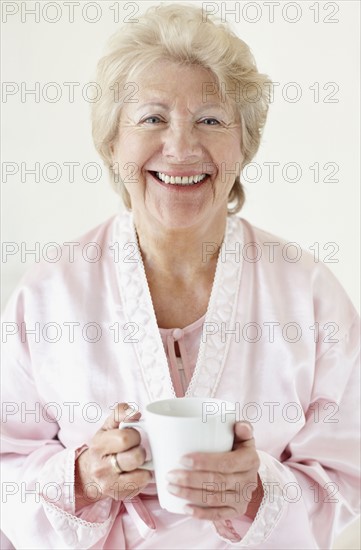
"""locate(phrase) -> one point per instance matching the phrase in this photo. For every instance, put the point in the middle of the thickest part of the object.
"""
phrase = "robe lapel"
(138, 309)
(221, 314)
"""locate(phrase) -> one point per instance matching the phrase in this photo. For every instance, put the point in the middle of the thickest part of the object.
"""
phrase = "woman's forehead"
(161, 67)
(167, 76)
(170, 83)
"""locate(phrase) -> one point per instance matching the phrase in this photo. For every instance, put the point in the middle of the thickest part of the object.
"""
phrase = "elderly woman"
(182, 298)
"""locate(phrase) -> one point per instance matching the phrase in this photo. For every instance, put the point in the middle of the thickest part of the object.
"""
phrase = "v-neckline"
(139, 310)
(189, 328)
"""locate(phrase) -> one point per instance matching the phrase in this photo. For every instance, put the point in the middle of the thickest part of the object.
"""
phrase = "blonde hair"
(185, 35)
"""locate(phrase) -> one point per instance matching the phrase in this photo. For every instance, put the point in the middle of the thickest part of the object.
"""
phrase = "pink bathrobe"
(280, 339)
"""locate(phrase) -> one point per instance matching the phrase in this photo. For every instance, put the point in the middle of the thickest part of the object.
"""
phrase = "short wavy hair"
(186, 35)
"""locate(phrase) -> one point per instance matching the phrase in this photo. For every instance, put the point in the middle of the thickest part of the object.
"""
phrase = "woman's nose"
(181, 143)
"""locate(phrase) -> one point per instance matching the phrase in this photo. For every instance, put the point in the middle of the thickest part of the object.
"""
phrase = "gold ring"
(114, 462)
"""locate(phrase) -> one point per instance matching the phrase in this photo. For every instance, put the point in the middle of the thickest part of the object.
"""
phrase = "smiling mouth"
(180, 181)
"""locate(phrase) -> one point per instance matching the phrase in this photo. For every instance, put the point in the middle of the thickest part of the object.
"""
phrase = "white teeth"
(180, 180)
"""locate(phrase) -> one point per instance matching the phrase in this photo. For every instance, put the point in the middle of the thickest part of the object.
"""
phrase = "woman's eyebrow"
(152, 104)
(202, 107)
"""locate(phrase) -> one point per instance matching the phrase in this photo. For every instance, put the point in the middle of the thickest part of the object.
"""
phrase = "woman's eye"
(210, 121)
(152, 119)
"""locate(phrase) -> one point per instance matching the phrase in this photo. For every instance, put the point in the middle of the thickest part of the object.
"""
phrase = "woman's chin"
(175, 216)
(180, 219)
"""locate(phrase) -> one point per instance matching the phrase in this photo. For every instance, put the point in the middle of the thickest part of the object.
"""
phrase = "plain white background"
(320, 130)
(311, 49)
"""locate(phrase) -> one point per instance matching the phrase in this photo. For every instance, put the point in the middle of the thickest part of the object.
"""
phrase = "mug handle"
(148, 465)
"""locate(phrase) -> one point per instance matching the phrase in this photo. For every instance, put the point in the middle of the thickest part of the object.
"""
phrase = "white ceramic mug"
(179, 426)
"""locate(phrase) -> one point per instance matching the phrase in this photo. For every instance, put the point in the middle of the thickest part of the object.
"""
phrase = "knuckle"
(135, 435)
(96, 449)
(127, 461)
(217, 478)
(140, 455)
(142, 477)
(118, 413)
(128, 437)
(226, 464)
(254, 462)
(186, 477)
(212, 500)
(96, 472)
(147, 477)
(123, 438)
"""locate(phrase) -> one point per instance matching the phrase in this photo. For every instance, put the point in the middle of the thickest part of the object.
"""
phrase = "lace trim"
(73, 519)
(268, 512)
(138, 309)
(222, 308)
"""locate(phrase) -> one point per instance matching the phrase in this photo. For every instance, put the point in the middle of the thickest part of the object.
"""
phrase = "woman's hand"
(220, 485)
(95, 475)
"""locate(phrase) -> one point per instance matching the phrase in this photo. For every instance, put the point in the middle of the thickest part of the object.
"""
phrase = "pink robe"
(280, 338)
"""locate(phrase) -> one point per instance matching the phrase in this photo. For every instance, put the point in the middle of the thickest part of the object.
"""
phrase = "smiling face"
(178, 148)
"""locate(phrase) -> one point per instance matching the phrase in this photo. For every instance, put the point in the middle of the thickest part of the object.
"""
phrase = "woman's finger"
(122, 412)
(209, 495)
(125, 485)
(115, 441)
(242, 459)
(132, 459)
(198, 479)
(243, 435)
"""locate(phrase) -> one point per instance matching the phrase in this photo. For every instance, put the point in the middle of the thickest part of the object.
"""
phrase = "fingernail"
(249, 428)
(130, 412)
(188, 510)
(173, 489)
(173, 478)
(187, 461)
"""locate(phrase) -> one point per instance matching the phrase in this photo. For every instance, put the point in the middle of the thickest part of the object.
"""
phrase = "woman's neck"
(180, 254)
